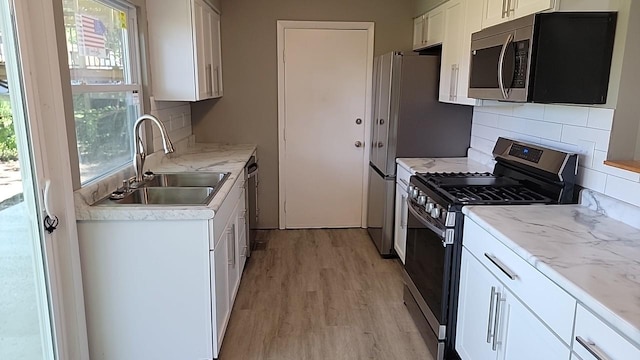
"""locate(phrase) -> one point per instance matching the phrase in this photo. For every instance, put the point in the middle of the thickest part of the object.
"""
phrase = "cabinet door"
(202, 35)
(400, 236)
(520, 8)
(242, 244)
(220, 266)
(234, 266)
(434, 27)
(451, 50)
(216, 55)
(472, 23)
(476, 310)
(494, 12)
(418, 41)
(523, 336)
(594, 336)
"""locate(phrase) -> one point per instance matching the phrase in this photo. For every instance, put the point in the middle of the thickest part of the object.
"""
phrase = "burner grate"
(491, 194)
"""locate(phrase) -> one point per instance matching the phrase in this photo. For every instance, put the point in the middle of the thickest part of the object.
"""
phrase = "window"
(104, 65)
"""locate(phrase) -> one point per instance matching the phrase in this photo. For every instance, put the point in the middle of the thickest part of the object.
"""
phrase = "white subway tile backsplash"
(600, 118)
(572, 134)
(489, 133)
(486, 119)
(568, 115)
(529, 111)
(484, 145)
(496, 107)
(623, 189)
(592, 179)
(544, 130)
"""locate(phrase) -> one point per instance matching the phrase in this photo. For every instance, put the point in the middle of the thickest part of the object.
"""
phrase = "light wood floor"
(320, 294)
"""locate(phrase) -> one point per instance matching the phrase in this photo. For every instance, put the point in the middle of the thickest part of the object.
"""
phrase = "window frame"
(133, 53)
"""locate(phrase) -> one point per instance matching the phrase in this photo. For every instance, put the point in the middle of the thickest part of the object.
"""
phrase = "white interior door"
(325, 81)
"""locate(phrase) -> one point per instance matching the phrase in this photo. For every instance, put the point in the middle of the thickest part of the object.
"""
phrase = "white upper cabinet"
(499, 11)
(184, 43)
(462, 18)
(428, 29)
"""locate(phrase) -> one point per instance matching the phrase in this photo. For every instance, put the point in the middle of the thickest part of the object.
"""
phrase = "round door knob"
(358, 121)
(380, 144)
(422, 199)
(381, 121)
(358, 144)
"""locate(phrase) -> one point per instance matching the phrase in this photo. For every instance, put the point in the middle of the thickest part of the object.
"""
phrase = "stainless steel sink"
(164, 196)
(190, 179)
(188, 188)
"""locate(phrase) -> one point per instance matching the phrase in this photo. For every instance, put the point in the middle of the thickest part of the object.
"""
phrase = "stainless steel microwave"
(560, 57)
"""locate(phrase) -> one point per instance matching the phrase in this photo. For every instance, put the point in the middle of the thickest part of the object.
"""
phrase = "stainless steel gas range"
(524, 174)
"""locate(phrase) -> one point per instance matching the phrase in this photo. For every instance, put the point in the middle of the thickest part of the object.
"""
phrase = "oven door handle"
(426, 222)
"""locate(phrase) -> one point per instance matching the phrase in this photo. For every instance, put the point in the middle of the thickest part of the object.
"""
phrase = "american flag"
(91, 33)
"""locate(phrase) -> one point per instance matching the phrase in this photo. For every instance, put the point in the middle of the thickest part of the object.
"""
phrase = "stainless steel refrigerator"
(408, 122)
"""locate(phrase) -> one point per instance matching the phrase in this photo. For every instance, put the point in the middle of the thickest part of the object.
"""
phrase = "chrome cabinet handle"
(403, 213)
(455, 75)
(592, 348)
(453, 69)
(217, 80)
(501, 266)
(229, 244)
(504, 5)
(496, 321)
(511, 10)
(505, 95)
(493, 297)
(209, 81)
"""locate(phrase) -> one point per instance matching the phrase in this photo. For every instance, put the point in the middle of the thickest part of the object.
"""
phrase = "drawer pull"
(592, 348)
(501, 266)
(496, 322)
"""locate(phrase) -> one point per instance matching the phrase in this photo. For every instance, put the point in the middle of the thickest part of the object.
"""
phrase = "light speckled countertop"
(593, 257)
(188, 157)
(422, 165)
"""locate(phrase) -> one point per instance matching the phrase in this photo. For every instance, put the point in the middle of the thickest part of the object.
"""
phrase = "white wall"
(583, 130)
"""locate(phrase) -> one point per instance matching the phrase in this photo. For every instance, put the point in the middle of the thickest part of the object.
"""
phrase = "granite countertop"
(422, 165)
(189, 157)
(593, 257)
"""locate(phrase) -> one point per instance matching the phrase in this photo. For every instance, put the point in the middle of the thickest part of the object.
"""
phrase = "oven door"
(428, 264)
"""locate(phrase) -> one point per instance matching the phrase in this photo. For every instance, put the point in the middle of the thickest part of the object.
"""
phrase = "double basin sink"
(188, 188)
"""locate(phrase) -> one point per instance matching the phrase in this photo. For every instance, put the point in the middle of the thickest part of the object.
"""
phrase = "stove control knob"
(430, 205)
(410, 188)
(414, 193)
(435, 212)
(422, 199)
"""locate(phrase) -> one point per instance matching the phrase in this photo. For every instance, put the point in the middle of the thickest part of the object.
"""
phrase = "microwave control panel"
(522, 58)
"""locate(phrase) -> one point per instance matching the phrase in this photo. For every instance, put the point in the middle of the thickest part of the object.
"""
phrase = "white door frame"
(41, 62)
(331, 25)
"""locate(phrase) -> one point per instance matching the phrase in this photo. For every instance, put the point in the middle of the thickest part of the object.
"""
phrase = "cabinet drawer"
(402, 177)
(547, 300)
(596, 337)
(223, 214)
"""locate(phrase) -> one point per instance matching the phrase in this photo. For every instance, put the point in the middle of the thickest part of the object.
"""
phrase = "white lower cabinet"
(507, 309)
(595, 340)
(162, 289)
(494, 324)
(400, 226)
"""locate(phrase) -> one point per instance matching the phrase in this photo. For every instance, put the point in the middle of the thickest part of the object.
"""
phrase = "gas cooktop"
(481, 189)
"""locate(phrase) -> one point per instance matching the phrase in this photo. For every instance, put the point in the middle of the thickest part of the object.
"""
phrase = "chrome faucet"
(140, 155)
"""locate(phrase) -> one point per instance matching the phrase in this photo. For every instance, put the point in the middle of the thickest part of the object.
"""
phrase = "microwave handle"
(505, 94)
